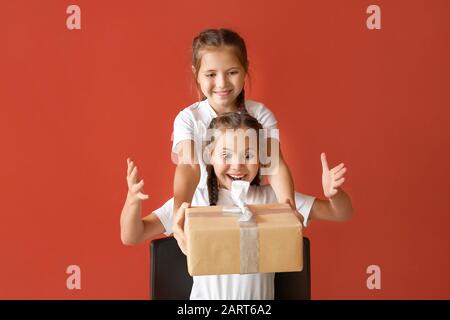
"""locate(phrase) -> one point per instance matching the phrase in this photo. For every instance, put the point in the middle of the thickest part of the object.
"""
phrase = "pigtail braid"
(213, 188)
(240, 102)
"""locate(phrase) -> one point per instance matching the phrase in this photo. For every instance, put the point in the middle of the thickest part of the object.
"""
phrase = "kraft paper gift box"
(218, 243)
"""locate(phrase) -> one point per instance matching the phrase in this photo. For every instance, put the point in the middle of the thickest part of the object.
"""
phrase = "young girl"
(230, 161)
(220, 66)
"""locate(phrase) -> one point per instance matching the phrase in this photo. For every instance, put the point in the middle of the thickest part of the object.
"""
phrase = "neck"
(223, 109)
(221, 186)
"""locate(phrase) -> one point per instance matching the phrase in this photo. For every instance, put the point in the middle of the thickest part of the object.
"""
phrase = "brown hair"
(229, 120)
(216, 38)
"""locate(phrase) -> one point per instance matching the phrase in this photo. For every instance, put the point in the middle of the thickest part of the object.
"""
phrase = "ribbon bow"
(239, 190)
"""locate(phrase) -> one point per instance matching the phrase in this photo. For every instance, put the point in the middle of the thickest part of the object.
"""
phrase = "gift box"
(219, 243)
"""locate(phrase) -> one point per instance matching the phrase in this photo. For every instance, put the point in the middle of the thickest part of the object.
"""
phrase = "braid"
(257, 180)
(213, 188)
(240, 102)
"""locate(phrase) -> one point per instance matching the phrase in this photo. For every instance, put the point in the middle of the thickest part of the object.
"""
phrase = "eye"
(234, 72)
(249, 156)
(225, 156)
(210, 75)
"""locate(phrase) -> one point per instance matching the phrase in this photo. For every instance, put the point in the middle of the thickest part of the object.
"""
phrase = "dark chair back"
(170, 280)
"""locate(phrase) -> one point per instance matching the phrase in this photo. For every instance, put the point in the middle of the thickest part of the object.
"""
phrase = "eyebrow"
(213, 70)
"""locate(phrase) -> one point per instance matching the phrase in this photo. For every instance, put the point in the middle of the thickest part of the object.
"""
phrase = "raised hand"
(178, 227)
(332, 179)
(135, 189)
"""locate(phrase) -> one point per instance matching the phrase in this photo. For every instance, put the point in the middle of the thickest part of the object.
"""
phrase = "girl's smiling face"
(235, 157)
(220, 77)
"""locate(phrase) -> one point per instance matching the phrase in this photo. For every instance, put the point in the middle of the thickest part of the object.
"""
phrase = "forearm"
(340, 206)
(282, 183)
(187, 177)
(131, 225)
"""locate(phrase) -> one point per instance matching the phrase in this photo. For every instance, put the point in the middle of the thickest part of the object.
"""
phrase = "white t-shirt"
(256, 286)
(192, 124)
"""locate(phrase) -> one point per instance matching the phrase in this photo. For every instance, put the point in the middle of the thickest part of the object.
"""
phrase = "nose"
(221, 80)
(237, 163)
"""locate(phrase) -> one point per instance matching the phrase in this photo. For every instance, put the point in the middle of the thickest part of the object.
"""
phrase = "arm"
(338, 207)
(281, 178)
(187, 174)
(187, 177)
(133, 229)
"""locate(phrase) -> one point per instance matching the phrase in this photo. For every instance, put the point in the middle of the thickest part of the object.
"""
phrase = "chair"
(170, 280)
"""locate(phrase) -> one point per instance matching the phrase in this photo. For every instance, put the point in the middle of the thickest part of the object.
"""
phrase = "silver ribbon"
(248, 229)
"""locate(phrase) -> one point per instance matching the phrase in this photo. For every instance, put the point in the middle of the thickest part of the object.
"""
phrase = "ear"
(193, 70)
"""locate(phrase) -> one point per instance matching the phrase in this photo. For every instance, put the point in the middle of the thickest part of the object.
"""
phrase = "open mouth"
(235, 177)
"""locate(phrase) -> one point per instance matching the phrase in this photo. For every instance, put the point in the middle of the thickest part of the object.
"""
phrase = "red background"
(74, 104)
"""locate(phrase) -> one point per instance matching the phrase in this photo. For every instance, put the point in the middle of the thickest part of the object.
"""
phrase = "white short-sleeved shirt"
(192, 124)
(256, 286)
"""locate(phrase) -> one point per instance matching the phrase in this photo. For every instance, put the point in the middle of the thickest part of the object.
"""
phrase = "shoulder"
(261, 194)
(201, 197)
(189, 110)
(165, 211)
(196, 112)
(256, 106)
(261, 112)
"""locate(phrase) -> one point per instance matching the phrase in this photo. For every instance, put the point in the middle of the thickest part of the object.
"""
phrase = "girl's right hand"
(135, 190)
(178, 227)
(333, 178)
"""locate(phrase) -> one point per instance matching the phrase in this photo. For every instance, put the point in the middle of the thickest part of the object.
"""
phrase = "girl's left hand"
(331, 179)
